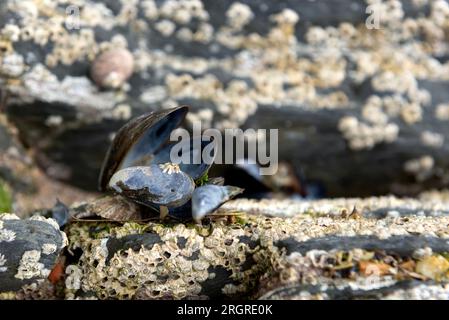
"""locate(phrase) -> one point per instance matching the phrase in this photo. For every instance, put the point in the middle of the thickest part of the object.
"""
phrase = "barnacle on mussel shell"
(194, 165)
(139, 165)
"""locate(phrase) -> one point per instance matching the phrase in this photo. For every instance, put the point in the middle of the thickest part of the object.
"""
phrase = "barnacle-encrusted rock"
(320, 252)
(351, 114)
(28, 251)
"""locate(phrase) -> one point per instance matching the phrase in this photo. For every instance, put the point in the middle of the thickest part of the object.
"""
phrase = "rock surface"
(28, 251)
(324, 251)
(364, 111)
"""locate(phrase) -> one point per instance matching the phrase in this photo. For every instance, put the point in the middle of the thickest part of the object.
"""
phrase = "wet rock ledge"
(386, 248)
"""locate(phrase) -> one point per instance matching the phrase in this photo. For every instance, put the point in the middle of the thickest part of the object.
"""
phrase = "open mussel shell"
(160, 185)
(138, 140)
(208, 198)
(189, 156)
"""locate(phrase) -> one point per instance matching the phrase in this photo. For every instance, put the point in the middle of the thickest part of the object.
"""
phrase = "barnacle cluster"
(179, 261)
(30, 267)
(5, 234)
(287, 65)
(422, 167)
(176, 266)
(360, 271)
(361, 135)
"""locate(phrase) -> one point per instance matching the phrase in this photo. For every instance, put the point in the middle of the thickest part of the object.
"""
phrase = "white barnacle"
(30, 266)
(239, 14)
(49, 248)
(12, 65)
(286, 16)
(54, 121)
(432, 139)
(11, 32)
(150, 9)
(50, 221)
(184, 34)
(422, 168)
(169, 168)
(364, 136)
(8, 216)
(122, 111)
(165, 27)
(442, 112)
(7, 235)
(2, 263)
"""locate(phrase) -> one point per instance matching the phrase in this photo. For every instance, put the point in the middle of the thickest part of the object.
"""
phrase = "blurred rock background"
(357, 88)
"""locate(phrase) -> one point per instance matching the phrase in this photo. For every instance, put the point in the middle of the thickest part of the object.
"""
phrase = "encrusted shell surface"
(138, 140)
(153, 186)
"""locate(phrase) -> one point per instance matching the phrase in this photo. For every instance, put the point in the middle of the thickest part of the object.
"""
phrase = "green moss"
(241, 220)
(203, 180)
(445, 255)
(100, 231)
(5, 198)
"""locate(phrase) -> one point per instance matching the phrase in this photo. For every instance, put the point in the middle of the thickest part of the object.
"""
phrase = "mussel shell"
(150, 186)
(208, 198)
(61, 213)
(218, 181)
(138, 139)
(183, 213)
(195, 147)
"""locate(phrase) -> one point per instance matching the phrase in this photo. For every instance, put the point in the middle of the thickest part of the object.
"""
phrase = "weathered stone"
(28, 251)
